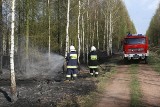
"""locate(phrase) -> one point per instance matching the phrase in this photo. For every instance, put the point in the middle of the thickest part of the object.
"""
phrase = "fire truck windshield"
(134, 41)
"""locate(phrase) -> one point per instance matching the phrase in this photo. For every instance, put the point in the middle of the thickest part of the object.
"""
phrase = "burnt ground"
(45, 92)
(48, 92)
(41, 91)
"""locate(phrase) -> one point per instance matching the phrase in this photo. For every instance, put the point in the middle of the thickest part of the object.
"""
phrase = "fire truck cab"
(135, 47)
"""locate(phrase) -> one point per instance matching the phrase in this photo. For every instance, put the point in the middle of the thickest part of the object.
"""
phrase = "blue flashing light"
(129, 34)
(140, 35)
(134, 34)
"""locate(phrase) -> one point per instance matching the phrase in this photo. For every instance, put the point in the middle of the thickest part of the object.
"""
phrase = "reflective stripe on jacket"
(72, 61)
(93, 66)
(92, 59)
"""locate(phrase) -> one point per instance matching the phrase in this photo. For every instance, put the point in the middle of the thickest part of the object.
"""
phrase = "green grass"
(154, 61)
(89, 100)
(135, 87)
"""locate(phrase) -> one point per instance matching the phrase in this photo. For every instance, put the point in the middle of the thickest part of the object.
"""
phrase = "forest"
(153, 30)
(32, 31)
(51, 26)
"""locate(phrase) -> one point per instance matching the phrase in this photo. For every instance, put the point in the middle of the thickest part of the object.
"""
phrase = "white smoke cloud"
(40, 66)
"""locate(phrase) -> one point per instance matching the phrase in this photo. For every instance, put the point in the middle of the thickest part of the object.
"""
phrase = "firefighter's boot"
(96, 74)
(74, 76)
(68, 77)
(91, 74)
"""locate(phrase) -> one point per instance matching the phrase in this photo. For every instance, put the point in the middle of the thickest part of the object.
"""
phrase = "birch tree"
(104, 35)
(78, 37)
(67, 28)
(153, 30)
(13, 81)
(49, 31)
(110, 33)
(27, 28)
(83, 39)
(106, 27)
(1, 38)
(87, 46)
(97, 24)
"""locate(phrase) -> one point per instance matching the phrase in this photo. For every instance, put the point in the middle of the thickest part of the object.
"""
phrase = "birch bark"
(13, 81)
(67, 28)
(79, 45)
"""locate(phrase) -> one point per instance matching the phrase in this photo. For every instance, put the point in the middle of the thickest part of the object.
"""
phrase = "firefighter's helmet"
(93, 48)
(72, 48)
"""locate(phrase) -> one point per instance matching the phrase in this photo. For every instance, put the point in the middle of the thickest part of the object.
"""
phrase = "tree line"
(43, 24)
(28, 27)
(153, 31)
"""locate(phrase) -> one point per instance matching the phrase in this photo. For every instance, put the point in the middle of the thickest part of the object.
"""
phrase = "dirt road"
(117, 92)
(150, 86)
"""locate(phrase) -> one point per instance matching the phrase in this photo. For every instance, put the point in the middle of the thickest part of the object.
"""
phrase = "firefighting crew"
(72, 64)
(92, 62)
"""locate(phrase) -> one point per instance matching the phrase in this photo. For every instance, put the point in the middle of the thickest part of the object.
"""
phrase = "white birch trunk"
(107, 36)
(110, 34)
(111, 40)
(13, 81)
(49, 32)
(67, 28)
(93, 32)
(104, 35)
(78, 37)
(90, 35)
(1, 37)
(27, 32)
(87, 46)
(97, 31)
(83, 38)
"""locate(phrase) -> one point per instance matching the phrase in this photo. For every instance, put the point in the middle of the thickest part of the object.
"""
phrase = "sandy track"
(150, 86)
(117, 93)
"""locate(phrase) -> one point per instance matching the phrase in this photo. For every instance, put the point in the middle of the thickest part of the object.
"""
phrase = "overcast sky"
(141, 12)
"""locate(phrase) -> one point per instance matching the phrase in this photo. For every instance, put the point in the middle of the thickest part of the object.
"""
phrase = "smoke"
(43, 66)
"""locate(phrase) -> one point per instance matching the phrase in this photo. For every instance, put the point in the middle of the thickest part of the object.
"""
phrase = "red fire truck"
(135, 47)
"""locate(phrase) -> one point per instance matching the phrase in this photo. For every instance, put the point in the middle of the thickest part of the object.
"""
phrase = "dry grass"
(89, 100)
(135, 87)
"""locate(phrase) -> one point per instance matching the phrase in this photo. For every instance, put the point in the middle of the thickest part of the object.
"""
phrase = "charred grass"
(55, 92)
(90, 99)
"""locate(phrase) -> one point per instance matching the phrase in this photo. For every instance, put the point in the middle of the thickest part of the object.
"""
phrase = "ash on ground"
(42, 84)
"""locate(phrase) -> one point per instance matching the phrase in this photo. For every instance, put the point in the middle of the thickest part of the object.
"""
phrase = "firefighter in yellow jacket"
(72, 64)
(92, 62)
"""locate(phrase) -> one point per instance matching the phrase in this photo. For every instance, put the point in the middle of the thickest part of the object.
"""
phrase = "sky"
(141, 13)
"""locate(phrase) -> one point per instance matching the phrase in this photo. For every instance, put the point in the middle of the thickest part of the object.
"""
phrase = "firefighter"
(72, 64)
(92, 62)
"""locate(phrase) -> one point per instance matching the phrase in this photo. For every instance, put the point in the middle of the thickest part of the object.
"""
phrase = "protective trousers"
(94, 70)
(71, 73)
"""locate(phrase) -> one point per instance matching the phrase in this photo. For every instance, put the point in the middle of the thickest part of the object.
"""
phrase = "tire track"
(117, 93)
(150, 86)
